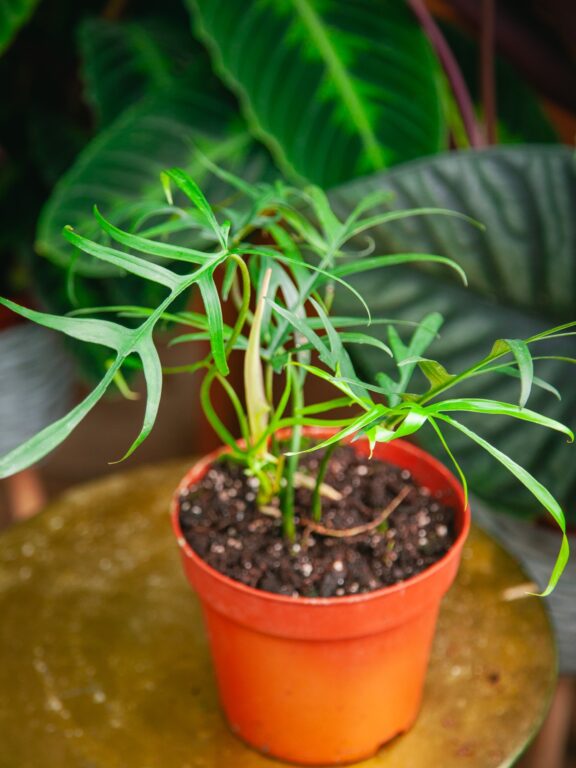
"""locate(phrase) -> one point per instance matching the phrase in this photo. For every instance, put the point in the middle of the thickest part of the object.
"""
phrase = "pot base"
(338, 701)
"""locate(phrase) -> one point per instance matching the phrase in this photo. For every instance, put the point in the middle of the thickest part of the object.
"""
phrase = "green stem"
(215, 421)
(269, 387)
(474, 370)
(466, 374)
(316, 496)
(287, 502)
(245, 305)
(237, 405)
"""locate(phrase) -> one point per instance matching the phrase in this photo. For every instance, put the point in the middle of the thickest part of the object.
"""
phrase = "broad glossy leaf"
(522, 280)
(335, 89)
(124, 61)
(13, 14)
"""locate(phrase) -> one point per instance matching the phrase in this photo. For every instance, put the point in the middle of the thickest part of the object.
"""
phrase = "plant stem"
(487, 71)
(316, 496)
(452, 70)
(245, 305)
(269, 388)
(287, 503)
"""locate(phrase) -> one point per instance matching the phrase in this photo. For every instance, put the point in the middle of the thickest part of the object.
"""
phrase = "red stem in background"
(452, 71)
(488, 90)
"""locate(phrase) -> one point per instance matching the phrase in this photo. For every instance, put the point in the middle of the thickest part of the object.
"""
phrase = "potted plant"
(320, 542)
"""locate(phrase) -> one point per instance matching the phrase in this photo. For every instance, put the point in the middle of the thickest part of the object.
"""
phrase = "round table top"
(104, 663)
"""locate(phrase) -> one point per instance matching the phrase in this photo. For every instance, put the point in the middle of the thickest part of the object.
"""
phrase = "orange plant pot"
(321, 681)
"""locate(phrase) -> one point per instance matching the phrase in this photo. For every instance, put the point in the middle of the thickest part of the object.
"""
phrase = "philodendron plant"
(278, 255)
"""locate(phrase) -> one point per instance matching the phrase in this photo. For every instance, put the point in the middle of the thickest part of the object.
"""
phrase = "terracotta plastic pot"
(320, 681)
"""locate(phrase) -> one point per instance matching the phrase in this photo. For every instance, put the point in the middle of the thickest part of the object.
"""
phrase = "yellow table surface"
(104, 663)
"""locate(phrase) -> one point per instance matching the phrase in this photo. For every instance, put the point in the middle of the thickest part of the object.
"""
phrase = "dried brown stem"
(341, 533)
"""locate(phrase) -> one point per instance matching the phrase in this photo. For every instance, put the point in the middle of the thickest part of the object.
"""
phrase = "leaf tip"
(165, 181)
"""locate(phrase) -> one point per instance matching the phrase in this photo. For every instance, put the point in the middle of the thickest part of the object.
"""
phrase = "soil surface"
(222, 524)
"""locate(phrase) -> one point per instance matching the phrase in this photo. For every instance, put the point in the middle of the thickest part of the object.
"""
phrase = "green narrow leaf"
(53, 435)
(408, 356)
(355, 426)
(213, 309)
(125, 261)
(536, 488)
(362, 338)
(331, 225)
(303, 328)
(355, 227)
(336, 348)
(347, 386)
(326, 405)
(378, 262)
(521, 283)
(153, 374)
(413, 421)
(186, 184)
(523, 358)
(101, 332)
(151, 247)
(457, 466)
(497, 408)
(435, 372)
(508, 370)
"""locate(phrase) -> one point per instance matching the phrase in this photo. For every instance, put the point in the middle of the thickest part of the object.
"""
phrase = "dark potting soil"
(223, 525)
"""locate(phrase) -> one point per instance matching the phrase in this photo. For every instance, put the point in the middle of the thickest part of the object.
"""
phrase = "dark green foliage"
(336, 90)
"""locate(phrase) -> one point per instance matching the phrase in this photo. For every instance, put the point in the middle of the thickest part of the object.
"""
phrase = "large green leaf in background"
(13, 14)
(335, 89)
(123, 62)
(119, 170)
(522, 274)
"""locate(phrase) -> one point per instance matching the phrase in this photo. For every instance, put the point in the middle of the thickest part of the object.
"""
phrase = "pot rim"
(463, 511)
